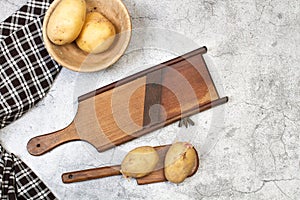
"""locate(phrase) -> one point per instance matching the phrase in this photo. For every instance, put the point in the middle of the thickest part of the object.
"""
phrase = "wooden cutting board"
(138, 104)
(156, 176)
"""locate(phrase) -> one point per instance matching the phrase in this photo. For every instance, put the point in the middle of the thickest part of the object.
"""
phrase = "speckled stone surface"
(249, 147)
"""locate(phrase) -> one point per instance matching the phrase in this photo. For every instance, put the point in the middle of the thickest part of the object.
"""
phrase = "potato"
(139, 162)
(97, 34)
(66, 21)
(179, 162)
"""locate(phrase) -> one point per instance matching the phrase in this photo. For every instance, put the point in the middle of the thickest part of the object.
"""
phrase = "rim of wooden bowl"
(61, 62)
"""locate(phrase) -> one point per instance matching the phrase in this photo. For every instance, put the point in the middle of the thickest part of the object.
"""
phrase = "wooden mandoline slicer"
(138, 104)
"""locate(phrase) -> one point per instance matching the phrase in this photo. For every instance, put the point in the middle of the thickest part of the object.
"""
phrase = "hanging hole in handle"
(70, 176)
(38, 145)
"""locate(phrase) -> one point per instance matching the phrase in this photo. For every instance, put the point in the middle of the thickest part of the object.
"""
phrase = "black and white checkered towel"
(18, 181)
(27, 71)
(26, 74)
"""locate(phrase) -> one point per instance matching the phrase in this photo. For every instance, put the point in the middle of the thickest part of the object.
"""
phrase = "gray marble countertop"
(249, 147)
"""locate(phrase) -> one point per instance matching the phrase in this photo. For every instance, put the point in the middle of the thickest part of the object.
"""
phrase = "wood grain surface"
(138, 104)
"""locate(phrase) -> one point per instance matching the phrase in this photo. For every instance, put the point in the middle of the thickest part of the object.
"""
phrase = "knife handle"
(90, 174)
(44, 143)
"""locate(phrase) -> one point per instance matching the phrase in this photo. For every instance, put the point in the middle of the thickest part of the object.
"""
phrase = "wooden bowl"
(71, 57)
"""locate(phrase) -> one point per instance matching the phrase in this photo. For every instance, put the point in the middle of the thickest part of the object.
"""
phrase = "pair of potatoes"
(179, 162)
(69, 22)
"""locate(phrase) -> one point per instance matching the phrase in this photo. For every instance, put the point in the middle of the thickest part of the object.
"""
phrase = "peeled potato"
(179, 162)
(66, 21)
(139, 162)
(97, 34)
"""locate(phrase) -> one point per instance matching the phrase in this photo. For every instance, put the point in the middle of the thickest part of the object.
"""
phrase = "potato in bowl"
(66, 21)
(97, 34)
(72, 57)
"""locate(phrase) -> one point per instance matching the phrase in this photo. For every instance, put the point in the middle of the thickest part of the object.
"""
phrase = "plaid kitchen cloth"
(26, 74)
(18, 181)
(26, 69)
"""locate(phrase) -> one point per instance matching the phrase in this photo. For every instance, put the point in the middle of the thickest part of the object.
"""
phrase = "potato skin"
(66, 21)
(179, 162)
(97, 34)
(139, 162)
